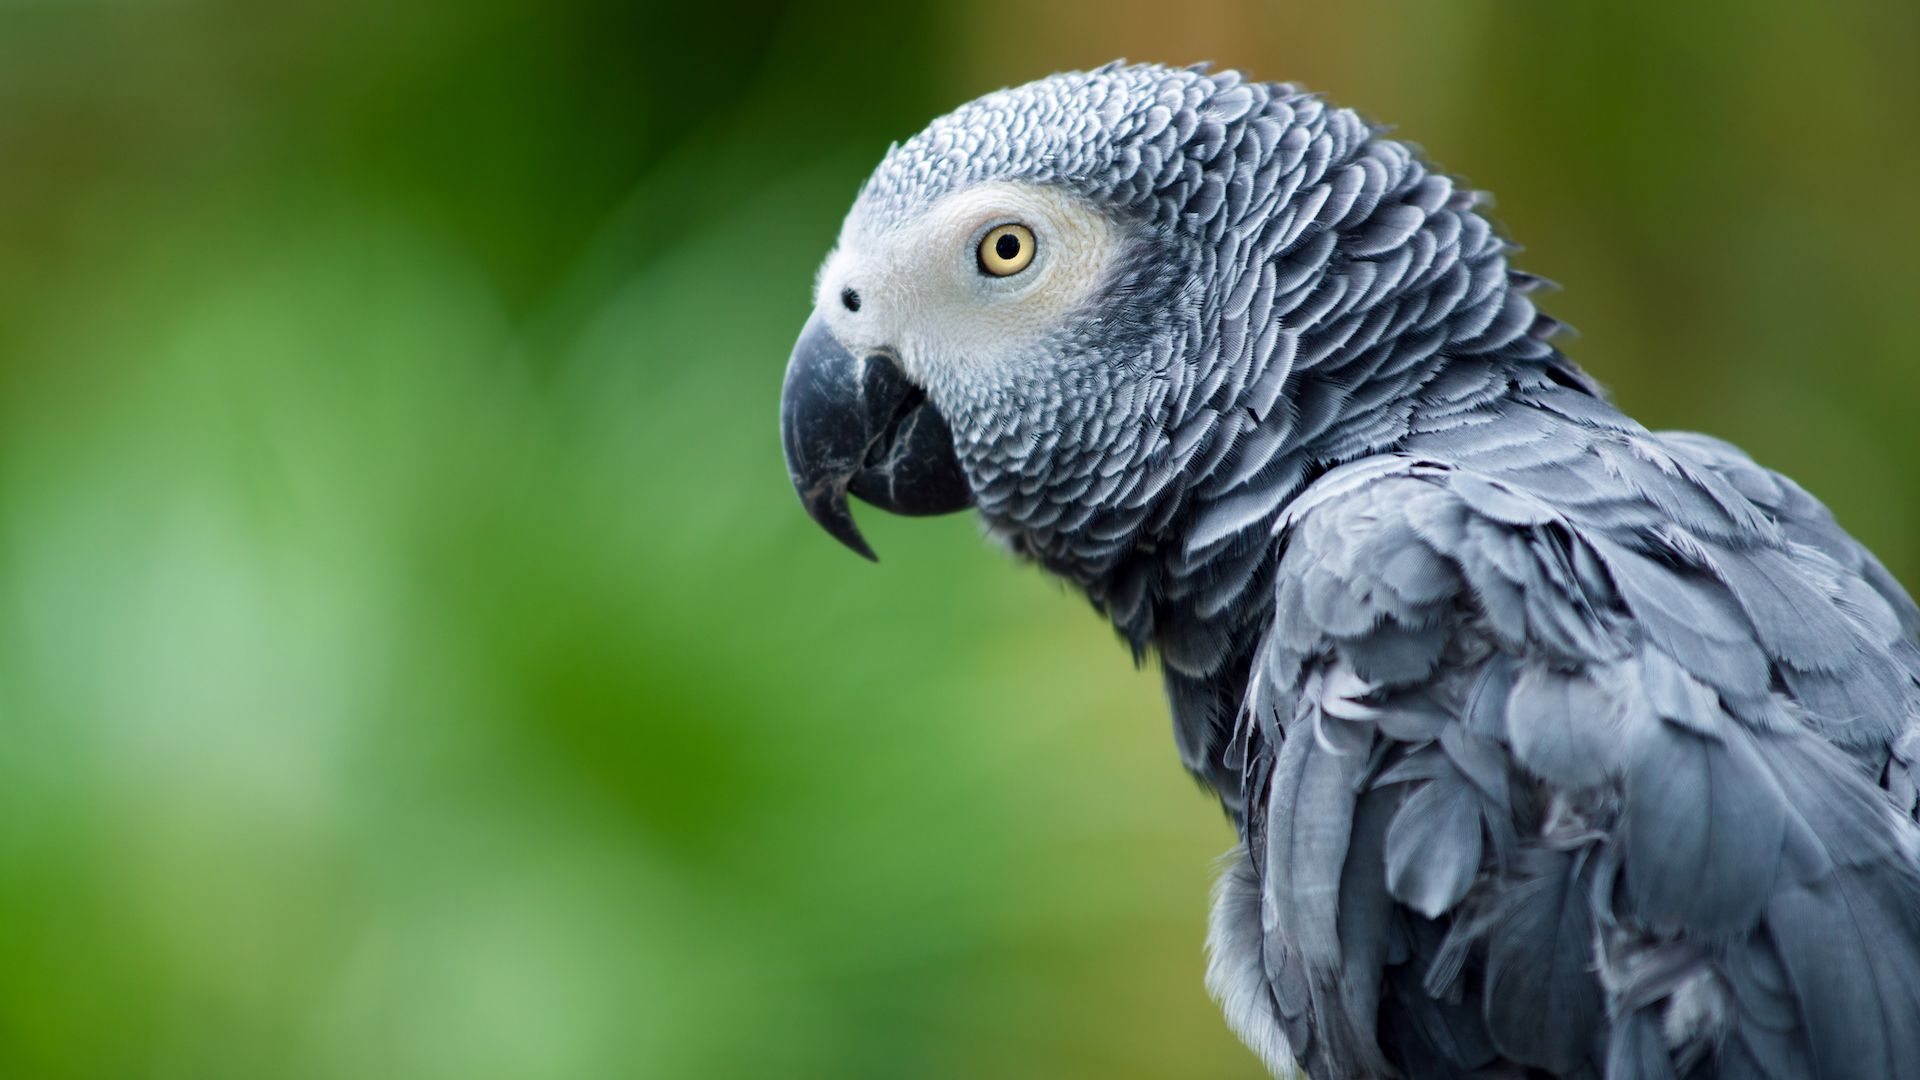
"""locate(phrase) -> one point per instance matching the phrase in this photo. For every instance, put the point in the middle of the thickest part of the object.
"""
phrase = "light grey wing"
(1636, 727)
(1804, 520)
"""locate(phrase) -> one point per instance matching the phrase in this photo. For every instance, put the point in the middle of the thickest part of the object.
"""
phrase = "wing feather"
(1584, 748)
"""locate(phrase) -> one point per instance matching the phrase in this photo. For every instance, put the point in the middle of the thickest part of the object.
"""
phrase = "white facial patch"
(923, 295)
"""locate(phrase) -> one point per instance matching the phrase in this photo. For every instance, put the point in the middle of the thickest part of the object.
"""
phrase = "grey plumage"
(1554, 743)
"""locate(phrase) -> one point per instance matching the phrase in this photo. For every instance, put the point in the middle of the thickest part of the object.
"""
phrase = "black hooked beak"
(859, 426)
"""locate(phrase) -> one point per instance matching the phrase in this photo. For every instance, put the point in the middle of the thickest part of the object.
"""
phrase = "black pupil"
(850, 299)
(1007, 247)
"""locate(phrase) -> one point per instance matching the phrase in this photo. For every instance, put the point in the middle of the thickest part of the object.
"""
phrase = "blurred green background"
(413, 662)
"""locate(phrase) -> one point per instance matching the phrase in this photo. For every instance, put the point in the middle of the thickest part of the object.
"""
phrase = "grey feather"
(1414, 718)
(1692, 619)
(1561, 726)
(1310, 818)
(1868, 707)
(1543, 1005)
(1485, 710)
(1637, 1050)
(1705, 822)
(1395, 655)
(1794, 620)
(1433, 848)
(1365, 921)
(1235, 976)
(1848, 947)
(1673, 694)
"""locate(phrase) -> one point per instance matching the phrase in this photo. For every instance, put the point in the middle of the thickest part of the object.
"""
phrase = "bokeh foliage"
(412, 663)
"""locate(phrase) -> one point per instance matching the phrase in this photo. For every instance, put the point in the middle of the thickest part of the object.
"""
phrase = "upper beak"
(860, 426)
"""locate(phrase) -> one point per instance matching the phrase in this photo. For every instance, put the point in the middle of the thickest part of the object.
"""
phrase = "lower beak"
(859, 426)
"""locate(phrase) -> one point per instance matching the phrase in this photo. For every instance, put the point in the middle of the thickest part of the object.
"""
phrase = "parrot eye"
(1006, 250)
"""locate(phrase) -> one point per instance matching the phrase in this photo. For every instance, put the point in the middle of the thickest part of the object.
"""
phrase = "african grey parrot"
(1557, 747)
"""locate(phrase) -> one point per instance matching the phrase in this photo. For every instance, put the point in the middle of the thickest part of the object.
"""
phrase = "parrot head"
(974, 305)
(1127, 313)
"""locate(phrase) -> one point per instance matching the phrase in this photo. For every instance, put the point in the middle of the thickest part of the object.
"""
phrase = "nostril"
(850, 299)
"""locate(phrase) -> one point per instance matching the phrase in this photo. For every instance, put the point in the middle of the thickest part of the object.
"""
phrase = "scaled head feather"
(1238, 285)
